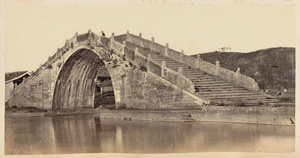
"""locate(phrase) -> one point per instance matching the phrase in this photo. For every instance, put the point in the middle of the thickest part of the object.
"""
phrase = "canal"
(92, 134)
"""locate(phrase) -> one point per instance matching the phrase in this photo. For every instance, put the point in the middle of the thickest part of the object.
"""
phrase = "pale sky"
(34, 32)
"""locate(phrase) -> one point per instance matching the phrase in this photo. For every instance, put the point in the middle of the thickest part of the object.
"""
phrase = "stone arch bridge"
(144, 75)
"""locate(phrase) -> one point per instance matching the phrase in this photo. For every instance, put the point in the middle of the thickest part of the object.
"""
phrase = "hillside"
(272, 68)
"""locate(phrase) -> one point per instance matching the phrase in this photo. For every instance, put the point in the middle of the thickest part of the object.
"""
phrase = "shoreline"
(283, 115)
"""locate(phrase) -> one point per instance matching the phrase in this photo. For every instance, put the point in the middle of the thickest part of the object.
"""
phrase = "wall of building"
(8, 89)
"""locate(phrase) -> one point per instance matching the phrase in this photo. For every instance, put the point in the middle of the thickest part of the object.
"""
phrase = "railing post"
(136, 50)
(152, 43)
(76, 36)
(238, 75)
(127, 35)
(167, 49)
(217, 68)
(149, 56)
(198, 61)
(180, 70)
(136, 53)
(58, 52)
(163, 66)
(112, 39)
(67, 45)
(181, 56)
(141, 40)
(123, 48)
(148, 63)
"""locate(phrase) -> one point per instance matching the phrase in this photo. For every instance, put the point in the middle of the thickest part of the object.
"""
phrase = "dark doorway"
(104, 93)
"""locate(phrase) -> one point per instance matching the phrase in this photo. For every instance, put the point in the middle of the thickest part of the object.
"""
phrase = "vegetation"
(272, 68)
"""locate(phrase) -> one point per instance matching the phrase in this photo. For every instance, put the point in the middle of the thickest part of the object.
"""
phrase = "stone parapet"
(216, 70)
(146, 62)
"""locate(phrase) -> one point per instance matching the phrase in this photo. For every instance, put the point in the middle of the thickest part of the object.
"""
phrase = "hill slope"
(272, 68)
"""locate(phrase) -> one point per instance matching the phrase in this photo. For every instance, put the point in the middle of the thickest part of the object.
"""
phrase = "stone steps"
(206, 85)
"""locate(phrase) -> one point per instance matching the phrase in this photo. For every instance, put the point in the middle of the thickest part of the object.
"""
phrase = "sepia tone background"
(28, 29)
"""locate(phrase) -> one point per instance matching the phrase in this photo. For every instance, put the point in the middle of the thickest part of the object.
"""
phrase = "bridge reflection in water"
(93, 134)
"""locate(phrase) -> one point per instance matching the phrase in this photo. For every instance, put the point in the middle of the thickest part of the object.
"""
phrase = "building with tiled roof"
(12, 79)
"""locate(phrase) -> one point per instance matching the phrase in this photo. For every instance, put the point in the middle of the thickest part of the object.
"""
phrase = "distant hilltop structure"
(224, 49)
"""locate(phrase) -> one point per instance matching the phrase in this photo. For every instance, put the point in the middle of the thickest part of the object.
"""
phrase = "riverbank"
(282, 115)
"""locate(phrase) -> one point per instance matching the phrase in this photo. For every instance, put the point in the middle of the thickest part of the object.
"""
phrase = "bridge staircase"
(213, 88)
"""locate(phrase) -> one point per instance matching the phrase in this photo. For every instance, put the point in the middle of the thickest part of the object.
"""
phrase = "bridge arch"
(75, 83)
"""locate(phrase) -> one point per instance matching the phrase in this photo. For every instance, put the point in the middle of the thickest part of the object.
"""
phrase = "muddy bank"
(284, 115)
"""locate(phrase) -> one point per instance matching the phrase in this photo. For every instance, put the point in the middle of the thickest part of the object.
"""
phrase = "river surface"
(93, 134)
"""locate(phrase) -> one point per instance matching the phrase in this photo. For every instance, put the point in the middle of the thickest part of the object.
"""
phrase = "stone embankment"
(253, 115)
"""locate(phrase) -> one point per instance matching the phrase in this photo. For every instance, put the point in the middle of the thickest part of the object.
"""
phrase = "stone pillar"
(123, 49)
(149, 57)
(112, 39)
(198, 61)
(180, 70)
(163, 66)
(89, 32)
(238, 75)
(217, 68)
(127, 35)
(15, 85)
(136, 53)
(141, 40)
(148, 63)
(67, 44)
(101, 35)
(76, 35)
(167, 49)
(181, 56)
(152, 43)
(136, 50)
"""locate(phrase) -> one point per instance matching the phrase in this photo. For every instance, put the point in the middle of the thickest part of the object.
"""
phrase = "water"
(93, 134)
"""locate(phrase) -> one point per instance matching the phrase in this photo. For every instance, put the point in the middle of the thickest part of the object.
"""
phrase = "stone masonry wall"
(197, 63)
(133, 86)
(143, 90)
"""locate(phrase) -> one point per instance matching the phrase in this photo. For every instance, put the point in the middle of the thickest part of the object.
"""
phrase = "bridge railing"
(48, 64)
(196, 63)
(147, 64)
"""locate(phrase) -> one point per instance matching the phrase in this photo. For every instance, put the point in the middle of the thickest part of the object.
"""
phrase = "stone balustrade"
(196, 63)
(158, 69)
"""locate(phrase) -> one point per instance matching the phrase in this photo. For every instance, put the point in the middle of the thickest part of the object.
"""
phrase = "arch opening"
(83, 82)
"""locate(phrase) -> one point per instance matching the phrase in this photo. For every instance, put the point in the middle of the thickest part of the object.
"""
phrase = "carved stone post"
(163, 66)
(238, 76)
(217, 68)
(123, 48)
(198, 61)
(141, 40)
(181, 56)
(136, 53)
(148, 63)
(112, 39)
(180, 70)
(167, 49)
(152, 43)
(76, 36)
(67, 44)
(127, 35)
